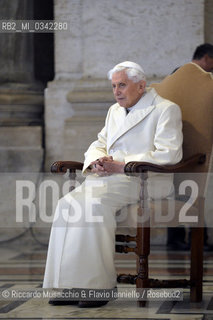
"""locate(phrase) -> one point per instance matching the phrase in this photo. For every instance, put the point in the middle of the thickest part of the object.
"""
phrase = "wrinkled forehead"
(120, 76)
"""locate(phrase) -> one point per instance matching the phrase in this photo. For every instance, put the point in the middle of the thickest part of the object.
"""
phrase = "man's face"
(126, 92)
(209, 64)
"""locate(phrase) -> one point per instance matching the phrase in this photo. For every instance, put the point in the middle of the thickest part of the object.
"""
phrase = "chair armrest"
(182, 166)
(63, 166)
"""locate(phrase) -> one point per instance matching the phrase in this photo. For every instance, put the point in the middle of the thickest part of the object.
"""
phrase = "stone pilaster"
(90, 105)
(21, 97)
(21, 115)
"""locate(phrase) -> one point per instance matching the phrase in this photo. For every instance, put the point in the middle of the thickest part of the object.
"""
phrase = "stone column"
(16, 48)
(21, 113)
(21, 97)
(21, 101)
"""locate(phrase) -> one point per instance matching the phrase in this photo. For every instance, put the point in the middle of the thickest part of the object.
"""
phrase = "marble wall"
(157, 34)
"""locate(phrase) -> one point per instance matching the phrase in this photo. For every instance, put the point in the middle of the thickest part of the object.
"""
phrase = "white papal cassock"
(82, 240)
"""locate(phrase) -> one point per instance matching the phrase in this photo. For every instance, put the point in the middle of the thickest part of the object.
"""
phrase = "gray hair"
(133, 71)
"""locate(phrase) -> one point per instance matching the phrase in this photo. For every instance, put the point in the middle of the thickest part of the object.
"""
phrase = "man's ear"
(142, 85)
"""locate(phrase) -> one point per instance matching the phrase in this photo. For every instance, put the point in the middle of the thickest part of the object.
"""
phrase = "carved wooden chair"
(192, 89)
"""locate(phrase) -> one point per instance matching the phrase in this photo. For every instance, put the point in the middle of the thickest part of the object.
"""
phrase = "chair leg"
(143, 248)
(142, 280)
(196, 275)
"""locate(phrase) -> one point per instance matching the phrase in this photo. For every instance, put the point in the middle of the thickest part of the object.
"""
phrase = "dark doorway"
(44, 43)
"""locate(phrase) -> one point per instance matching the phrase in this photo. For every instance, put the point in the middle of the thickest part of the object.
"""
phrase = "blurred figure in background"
(203, 57)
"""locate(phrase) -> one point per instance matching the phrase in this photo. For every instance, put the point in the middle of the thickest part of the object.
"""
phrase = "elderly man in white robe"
(140, 126)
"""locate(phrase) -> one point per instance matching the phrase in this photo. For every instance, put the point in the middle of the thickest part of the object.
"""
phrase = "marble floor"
(22, 267)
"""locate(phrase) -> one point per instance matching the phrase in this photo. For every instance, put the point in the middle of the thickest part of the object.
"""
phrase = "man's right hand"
(97, 165)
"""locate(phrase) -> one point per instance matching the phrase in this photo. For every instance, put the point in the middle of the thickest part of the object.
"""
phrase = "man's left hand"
(113, 166)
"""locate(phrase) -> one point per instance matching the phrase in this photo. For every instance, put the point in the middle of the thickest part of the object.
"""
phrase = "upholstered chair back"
(192, 89)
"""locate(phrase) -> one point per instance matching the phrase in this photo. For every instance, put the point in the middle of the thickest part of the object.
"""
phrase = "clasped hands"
(106, 166)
